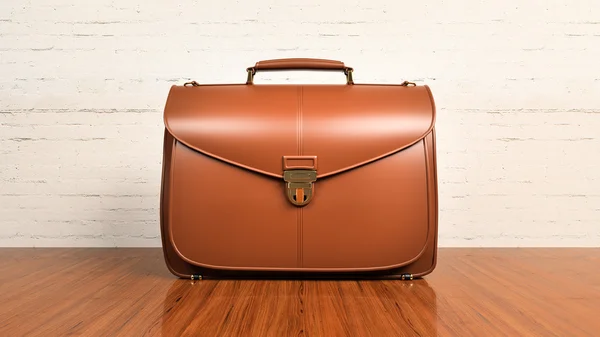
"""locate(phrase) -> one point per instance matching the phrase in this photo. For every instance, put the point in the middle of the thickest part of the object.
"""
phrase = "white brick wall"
(83, 85)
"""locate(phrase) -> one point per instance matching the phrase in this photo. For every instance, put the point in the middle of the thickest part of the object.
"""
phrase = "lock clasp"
(300, 186)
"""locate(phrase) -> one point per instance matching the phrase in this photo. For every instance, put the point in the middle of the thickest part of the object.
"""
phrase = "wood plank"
(129, 292)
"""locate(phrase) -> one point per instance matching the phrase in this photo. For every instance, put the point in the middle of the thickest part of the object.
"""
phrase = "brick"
(84, 85)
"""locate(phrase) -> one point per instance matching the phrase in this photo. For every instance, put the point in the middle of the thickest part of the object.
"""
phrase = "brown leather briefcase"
(317, 180)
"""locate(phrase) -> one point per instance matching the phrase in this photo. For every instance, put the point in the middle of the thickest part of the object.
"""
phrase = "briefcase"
(299, 180)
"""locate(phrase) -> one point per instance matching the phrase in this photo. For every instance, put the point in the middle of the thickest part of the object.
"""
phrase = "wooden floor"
(129, 292)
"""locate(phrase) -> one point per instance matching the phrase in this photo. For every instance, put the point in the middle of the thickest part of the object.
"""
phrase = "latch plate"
(300, 186)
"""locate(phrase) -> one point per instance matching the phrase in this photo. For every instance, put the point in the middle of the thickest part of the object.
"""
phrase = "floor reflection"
(297, 307)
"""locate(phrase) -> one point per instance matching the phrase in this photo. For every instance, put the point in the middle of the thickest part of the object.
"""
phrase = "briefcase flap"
(254, 127)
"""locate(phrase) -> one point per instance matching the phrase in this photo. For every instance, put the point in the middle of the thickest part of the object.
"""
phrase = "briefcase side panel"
(428, 260)
(174, 263)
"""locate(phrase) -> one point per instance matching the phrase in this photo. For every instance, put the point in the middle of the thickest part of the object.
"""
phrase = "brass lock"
(300, 186)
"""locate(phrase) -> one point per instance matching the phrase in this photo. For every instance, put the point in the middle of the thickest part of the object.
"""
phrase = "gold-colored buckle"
(299, 185)
(251, 71)
(348, 73)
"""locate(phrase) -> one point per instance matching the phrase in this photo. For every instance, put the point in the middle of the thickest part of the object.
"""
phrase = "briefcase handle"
(299, 64)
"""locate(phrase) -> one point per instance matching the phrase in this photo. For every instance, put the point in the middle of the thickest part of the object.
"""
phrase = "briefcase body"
(289, 180)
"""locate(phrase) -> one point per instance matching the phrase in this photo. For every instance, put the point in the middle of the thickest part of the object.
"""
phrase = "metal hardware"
(252, 71)
(348, 73)
(299, 185)
(407, 83)
(192, 83)
(196, 277)
(407, 276)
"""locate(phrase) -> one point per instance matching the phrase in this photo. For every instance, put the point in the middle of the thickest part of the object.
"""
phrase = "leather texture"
(299, 63)
(373, 209)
